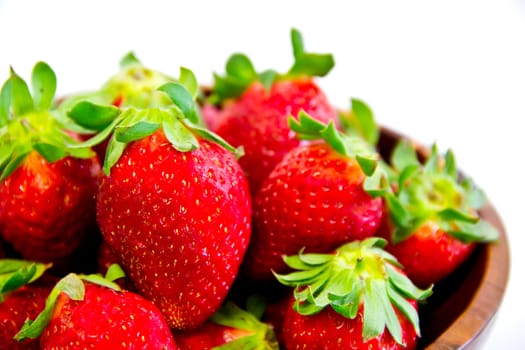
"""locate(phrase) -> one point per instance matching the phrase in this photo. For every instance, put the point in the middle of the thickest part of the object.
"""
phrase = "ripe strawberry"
(175, 191)
(314, 199)
(254, 108)
(47, 186)
(354, 298)
(432, 223)
(89, 312)
(229, 328)
(22, 296)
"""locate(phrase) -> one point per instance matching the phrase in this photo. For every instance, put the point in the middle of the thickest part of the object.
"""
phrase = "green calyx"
(240, 71)
(29, 122)
(433, 191)
(358, 274)
(179, 121)
(360, 121)
(73, 286)
(15, 273)
(260, 336)
(352, 146)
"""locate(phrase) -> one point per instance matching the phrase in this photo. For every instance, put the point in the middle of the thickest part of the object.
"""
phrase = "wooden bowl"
(463, 307)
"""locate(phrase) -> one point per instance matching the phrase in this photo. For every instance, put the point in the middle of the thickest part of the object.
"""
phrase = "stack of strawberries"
(253, 214)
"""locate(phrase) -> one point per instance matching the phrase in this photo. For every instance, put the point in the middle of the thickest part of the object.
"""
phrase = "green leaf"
(240, 67)
(50, 152)
(113, 152)
(256, 305)
(17, 157)
(450, 164)
(406, 174)
(405, 286)
(481, 231)
(22, 102)
(398, 213)
(180, 97)
(43, 82)
(100, 281)
(114, 273)
(17, 273)
(392, 321)
(404, 155)
(93, 116)
(374, 318)
(32, 329)
(348, 305)
(189, 81)
(308, 64)
(297, 42)
(404, 307)
(367, 165)
(102, 135)
(300, 277)
(5, 101)
(267, 78)
(332, 136)
(128, 60)
(312, 65)
(135, 132)
(378, 184)
(231, 315)
(432, 164)
(451, 214)
(72, 286)
(365, 121)
(211, 136)
(180, 137)
(305, 125)
(475, 197)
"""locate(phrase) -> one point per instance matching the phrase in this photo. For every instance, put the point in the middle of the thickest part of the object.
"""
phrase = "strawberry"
(356, 297)
(47, 184)
(254, 108)
(432, 220)
(314, 198)
(172, 189)
(229, 328)
(92, 312)
(23, 294)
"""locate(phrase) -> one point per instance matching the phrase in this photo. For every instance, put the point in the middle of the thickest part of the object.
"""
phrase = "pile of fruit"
(154, 213)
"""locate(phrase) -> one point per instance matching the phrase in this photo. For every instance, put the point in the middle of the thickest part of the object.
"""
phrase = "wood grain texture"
(464, 306)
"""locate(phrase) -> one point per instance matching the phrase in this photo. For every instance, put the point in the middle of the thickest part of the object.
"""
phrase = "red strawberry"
(254, 108)
(26, 299)
(48, 185)
(353, 298)
(314, 199)
(432, 223)
(174, 207)
(95, 314)
(229, 328)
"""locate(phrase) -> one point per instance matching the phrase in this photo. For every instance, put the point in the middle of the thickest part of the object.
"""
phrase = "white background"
(446, 71)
